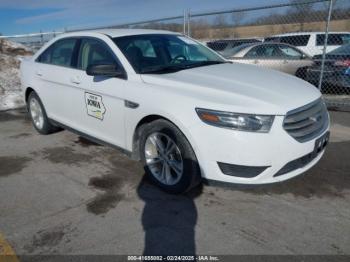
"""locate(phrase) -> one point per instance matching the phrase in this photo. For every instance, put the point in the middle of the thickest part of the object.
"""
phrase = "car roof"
(251, 45)
(121, 32)
(307, 33)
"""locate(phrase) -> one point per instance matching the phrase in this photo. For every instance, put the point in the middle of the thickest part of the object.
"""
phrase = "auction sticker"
(94, 105)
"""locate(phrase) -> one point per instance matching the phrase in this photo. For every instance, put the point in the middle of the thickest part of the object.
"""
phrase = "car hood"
(238, 87)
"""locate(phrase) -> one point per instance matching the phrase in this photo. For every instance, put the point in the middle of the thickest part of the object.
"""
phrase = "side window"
(62, 52)
(296, 40)
(272, 39)
(253, 53)
(263, 51)
(320, 39)
(45, 57)
(333, 39)
(94, 52)
(290, 52)
(346, 39)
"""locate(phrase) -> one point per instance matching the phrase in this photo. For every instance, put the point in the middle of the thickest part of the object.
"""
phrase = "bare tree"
(220, 21)
(237, 18)
(301, 9)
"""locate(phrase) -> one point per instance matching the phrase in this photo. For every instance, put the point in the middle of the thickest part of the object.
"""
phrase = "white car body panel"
(225, 87)
(312, 48)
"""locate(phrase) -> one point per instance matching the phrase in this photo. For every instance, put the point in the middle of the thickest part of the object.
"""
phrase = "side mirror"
(303, 56)
(108, 70)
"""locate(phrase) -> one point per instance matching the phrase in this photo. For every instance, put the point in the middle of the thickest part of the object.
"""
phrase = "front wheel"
(168, 157)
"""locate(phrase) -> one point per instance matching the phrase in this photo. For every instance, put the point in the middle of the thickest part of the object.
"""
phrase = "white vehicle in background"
(312, 43)
(176, 105)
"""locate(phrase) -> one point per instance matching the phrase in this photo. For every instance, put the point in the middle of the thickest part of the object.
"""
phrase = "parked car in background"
(336, 69)
(312, 43)
(177, 106)
(225, 45)
(281, 57)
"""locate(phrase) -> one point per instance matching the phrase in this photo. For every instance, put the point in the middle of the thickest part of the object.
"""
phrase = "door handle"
(39, 73)
(256, 61)
(285, 62)
(75, 80)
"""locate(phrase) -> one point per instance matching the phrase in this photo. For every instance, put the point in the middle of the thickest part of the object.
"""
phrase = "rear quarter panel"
(27, 72)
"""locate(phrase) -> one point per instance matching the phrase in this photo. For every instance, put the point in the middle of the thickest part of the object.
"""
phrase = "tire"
(38, 115)
(178, 180)
(301, 73)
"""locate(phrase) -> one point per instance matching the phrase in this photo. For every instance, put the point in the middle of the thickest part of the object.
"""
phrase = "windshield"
(162, 53)
(343, 50)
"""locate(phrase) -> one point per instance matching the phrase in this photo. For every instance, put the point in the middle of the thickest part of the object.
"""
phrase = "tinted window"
(333, 39)
(45, 57)
(94, 52)
(343, 50)
(263, 51)
(217, 46)
(272, 39)
(62, 51)
(227, 44)
(162, 50)
(296, 40)
(233, 51)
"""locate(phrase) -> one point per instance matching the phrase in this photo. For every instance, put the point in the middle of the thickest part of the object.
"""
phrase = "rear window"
(333, 39)
(60, 53)
(227, 44)
(217, 46)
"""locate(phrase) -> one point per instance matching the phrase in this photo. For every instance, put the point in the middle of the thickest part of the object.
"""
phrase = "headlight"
(236, 121)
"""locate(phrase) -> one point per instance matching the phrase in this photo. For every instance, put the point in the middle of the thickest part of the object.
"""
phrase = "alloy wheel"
(163, 158)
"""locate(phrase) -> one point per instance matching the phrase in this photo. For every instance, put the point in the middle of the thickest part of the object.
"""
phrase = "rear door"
(266, 55)
(54, 72)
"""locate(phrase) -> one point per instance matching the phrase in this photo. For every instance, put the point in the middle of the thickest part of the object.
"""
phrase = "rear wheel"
(168, 157)
(38, 115)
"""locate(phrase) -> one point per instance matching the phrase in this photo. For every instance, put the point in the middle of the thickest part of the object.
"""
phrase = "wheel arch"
(149, 119)
(27, 93)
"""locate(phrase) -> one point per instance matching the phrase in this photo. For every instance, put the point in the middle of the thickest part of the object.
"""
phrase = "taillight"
(342, 63)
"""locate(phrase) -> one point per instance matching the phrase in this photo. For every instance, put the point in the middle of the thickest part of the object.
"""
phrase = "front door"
(99, 102)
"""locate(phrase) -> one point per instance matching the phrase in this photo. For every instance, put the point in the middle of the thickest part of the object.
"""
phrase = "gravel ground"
(61, 194)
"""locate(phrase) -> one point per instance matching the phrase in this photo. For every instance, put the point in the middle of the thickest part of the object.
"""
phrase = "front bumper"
(273, 150)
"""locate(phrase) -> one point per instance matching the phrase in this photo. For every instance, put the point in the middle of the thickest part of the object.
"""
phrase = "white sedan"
(177, 106)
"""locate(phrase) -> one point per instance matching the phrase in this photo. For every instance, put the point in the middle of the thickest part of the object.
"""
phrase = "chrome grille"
(307, 122)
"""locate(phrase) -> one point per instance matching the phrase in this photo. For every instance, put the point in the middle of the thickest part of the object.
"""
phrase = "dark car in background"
(225, 45)
(336, 69)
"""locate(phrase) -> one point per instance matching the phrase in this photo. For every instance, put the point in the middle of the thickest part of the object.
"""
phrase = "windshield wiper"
(206, 63)
(179, 67)
(163, 69)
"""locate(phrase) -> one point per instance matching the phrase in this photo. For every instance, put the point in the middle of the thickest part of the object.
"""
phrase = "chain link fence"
(306, 38)
(33, 41)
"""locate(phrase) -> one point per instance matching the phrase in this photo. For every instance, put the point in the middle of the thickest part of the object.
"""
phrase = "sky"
(30, 16)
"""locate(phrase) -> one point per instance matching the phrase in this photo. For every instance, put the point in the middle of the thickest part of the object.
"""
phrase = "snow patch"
(10, 83)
